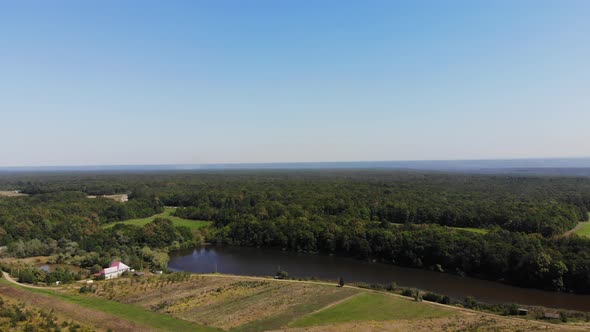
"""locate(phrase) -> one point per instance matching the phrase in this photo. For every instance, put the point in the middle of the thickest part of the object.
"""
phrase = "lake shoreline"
(261, 262)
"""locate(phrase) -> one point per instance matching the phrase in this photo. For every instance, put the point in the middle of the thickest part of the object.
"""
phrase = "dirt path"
(99, 320)
(577, 228)
(331, 305)
(11, 280)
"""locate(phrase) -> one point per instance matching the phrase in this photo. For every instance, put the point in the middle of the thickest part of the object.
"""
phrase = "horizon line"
(285, 163)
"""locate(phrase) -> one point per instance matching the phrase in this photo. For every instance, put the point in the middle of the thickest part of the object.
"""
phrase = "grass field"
(373, 307)
(467, 229)
(11, 194)
(583, 229)
(126, 311)
(472, 230)
(192, 224)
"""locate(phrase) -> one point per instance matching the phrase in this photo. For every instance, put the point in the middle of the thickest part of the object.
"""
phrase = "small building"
(522, 312)
(114, 271)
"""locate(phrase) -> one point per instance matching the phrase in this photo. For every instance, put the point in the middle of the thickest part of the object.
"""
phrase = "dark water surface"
(265, 262)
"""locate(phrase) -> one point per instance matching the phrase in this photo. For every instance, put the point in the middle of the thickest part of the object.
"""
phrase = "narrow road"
(11, 280)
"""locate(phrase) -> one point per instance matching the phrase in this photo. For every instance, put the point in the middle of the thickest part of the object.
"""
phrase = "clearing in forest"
(583, 229)
(167, 214)
(122, 198)
(11, 193)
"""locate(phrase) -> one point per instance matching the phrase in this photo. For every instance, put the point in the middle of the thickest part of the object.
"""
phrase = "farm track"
(11, 280)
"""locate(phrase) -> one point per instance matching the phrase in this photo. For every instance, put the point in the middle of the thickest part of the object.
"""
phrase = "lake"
(266, 262)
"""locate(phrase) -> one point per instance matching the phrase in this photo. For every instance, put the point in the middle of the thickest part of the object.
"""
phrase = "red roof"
(115, 263)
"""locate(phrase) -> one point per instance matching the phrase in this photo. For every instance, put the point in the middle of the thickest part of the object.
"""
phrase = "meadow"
(373, 307)
(167, 214)
(583, 229)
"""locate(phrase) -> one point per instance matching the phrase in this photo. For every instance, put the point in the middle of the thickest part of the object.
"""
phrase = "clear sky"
(156, 82)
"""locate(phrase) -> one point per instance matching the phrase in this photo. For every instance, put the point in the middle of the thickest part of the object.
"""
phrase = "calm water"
(265, 262)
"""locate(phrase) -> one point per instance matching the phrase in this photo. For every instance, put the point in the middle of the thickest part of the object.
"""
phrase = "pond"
(266, 262)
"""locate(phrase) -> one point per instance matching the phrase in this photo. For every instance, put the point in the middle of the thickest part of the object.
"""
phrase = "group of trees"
(68, 215)
(33, 275)
(395, 217)
(529, 260)
(68, 226)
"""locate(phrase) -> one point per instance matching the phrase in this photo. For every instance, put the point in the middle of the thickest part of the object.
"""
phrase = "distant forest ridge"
(544, 166)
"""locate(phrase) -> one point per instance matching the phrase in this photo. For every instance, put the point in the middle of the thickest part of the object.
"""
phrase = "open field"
(99, 312)
(373, 307)
(36, 318)
(584, 229)
(226, 302)
(581, 229)
(467, 229)
(11, 194)
(464, 323)
(192, 224)
(118, 197)
(472, 230)
(184, 302)
(258, 304)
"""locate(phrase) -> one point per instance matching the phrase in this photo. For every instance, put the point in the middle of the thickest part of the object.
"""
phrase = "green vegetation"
(372, 306)
(167, 214)
(583, 229)
(16, 316)
(500, 227)
(294, 312)
(125, 311)
(473, 230)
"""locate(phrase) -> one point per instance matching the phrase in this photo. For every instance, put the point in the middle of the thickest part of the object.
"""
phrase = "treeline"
(527, 260)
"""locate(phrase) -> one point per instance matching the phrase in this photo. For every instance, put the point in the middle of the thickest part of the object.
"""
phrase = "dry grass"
(256, 304)
(37, 317)
(463, 322)
(119, 197)
(96, 319)
(224, 302)
(11, 194)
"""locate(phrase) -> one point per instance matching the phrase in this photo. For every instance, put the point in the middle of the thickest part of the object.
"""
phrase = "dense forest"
(401, 217)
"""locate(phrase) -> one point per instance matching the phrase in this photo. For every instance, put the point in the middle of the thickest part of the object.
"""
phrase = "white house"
(115, 270)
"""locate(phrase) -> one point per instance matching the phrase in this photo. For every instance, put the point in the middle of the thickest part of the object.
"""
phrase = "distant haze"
(557, 166)
(265, 81)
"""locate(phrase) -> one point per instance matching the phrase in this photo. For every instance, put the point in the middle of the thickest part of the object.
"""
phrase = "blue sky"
(156, 82)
